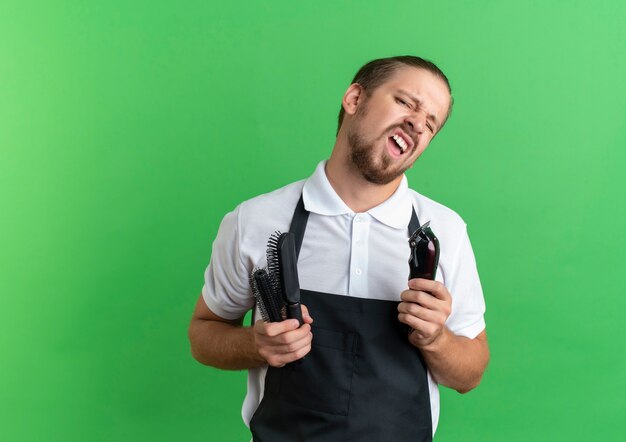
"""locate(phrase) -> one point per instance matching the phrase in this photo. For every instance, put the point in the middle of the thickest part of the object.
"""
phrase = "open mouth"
(402, 145)
(399, 143)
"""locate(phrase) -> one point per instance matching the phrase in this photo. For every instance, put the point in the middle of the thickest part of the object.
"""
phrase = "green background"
(129, 128)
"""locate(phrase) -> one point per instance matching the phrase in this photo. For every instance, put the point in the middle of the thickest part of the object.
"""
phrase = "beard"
(374, 165)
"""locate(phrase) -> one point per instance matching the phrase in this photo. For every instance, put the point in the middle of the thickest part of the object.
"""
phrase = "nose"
(417, 121)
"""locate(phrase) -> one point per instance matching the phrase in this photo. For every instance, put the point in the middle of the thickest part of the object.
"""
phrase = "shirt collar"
(320, 197)
(396, 210)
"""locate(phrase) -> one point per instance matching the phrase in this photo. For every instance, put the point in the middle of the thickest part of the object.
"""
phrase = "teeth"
(400, 142)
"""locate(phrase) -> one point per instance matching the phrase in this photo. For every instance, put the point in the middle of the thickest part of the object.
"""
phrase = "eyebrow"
(432, 117)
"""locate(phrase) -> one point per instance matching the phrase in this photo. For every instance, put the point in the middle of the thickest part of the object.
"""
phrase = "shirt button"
(358, 271)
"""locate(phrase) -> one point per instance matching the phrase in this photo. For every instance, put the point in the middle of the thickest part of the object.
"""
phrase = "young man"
(364, 377)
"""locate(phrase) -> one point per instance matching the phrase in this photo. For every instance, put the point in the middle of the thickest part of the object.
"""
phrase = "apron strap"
(298, 224)
(301, 217)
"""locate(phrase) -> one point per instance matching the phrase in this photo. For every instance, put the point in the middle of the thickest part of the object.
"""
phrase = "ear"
(354, 96)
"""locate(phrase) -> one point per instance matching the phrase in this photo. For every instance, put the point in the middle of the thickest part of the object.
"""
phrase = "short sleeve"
(226, 288)
(463, 283)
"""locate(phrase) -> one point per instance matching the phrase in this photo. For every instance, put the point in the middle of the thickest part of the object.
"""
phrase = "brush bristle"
(260, 302)
(271, 300)
(265, 283)
(273, 266)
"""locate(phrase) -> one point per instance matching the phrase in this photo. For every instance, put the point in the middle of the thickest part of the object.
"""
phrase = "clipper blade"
(424, 256)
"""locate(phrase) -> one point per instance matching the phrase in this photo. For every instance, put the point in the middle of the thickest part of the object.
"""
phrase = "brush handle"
(294, 311)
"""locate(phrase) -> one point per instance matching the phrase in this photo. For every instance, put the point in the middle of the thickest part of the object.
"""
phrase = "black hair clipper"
(424, 253)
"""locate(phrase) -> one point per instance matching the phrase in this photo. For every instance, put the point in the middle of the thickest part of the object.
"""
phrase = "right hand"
(280, 343)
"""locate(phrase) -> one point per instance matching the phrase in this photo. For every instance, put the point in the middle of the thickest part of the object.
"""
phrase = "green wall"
(129, 128)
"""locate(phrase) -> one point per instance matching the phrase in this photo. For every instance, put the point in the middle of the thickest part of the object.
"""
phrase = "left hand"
(425, 307)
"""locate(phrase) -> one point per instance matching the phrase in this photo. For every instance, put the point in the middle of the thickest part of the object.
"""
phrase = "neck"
(356, 192)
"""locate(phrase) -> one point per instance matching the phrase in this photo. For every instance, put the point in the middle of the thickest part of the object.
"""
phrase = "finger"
(287, 337)
(419, 297)
(279, 355)
(295, 346)
(423, 328)
(436, 288)
(409, 296)
(425, 314)
(431, 302)
(305, 314)
(426, 285)
(272, 329)
(280, 360)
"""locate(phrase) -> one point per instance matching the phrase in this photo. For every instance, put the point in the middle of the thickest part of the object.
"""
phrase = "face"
(393, 125)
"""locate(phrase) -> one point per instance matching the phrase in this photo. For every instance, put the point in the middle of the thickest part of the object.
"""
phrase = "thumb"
(305, 314)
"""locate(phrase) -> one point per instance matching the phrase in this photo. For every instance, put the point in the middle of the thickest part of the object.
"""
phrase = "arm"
(226, 344)
(454, 361)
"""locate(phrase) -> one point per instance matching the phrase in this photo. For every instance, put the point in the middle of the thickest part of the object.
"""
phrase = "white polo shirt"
(345, 253)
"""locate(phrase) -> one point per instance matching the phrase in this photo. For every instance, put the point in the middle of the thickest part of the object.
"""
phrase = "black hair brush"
(282, 266)
(267, 297)
(276, 288)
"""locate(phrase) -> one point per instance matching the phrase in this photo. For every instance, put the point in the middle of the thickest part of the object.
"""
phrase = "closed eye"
(403, 103)
(410, 106)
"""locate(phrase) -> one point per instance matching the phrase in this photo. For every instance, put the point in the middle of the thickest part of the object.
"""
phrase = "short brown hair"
(376, 72)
